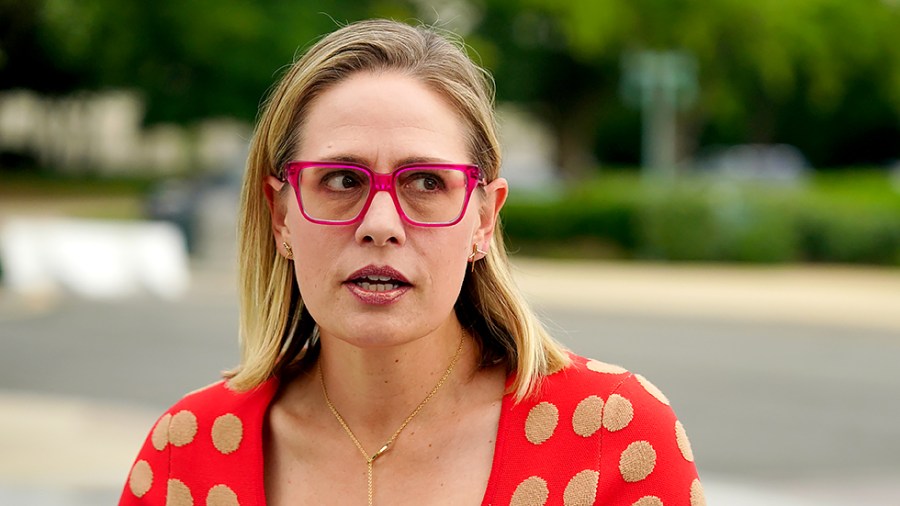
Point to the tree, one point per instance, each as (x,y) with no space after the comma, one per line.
(760,62)
(190,59)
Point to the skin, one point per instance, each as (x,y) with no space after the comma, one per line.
(380,361)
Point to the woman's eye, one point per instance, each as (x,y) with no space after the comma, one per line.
(341,180)
(426,182)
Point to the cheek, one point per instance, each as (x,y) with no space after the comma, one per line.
(314,251)
(450,259)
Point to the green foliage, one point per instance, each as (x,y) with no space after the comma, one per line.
(604,212)
(191,59)
(771,42)
(37,185)
(764,66)
(677,225)
(853,218)
(851,221)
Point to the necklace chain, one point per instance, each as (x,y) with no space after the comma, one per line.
(370,459)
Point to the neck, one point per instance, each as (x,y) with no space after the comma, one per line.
(376,389)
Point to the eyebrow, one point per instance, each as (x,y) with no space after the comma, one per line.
(400,163)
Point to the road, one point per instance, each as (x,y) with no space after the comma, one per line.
(797,407)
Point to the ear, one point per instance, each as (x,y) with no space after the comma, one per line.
(272,188)
(492,201)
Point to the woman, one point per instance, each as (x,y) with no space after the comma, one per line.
(387,358)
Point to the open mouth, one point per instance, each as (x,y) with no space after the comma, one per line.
(378,280)
(373,283)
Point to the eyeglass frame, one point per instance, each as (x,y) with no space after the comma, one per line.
(383,182)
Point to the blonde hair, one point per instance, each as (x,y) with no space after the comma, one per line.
(277,334)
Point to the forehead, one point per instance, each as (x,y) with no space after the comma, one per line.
(379,118)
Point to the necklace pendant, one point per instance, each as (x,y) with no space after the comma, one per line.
(381,451)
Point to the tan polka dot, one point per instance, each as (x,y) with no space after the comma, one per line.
(637,461)
(582,489)
(587,416)
(182,428)
(227,432)
(221,495)
(648,500)
(160,435)
(618,413)
(178,494)
(603,367)
(652,390)
(683,443)
(697,497)
(141,478)
(541,422)
(531,492)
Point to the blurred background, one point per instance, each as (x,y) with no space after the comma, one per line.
(705,192)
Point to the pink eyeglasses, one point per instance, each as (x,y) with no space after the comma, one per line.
(425,195)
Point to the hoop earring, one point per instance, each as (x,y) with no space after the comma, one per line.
(287,248)
(475,253)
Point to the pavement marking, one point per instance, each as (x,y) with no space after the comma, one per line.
(858,297)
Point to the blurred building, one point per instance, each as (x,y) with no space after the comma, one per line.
(103,133)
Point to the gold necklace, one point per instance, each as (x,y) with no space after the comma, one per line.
(370,460)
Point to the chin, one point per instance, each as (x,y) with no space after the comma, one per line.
(379,332)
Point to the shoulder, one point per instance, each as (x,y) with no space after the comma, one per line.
(216,418)
(595,431)
(587,378)
(210,408)
(219,398)
(202,435)
(589,395)
(583,376)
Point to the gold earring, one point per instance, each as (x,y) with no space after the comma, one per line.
(287,248)
(475,253)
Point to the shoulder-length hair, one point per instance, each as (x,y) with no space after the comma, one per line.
(277,333)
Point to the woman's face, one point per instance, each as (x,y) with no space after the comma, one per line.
(382,121)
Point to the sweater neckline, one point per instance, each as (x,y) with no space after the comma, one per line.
(269,389)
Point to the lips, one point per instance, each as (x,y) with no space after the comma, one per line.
(377,284)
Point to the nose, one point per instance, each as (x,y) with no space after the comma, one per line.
(382,223)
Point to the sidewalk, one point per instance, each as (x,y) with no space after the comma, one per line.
(62,451)
(858,297)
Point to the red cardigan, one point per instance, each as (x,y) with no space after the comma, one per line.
(594,434)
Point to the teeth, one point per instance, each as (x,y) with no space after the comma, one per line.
(378,278)
(378,287)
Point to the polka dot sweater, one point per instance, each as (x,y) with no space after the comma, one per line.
(595,434)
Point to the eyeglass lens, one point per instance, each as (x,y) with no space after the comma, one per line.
(425,194)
